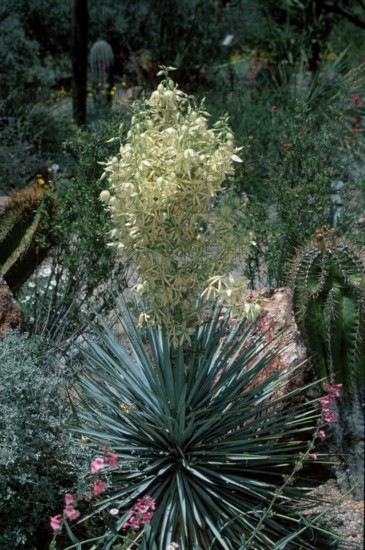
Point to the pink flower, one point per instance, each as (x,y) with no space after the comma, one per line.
(274,108)
(112,460)
(97,465)
(329,417)
(142,513)
(149,502)
(69,499)
(321,434)
(70,512)
(313,456)
(99,487)
(56,522)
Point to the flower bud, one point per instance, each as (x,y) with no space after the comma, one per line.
(104,196)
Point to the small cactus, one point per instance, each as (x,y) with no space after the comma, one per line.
(101,65)
(328,280)
(22,224)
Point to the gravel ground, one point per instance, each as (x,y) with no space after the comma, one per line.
(345,516)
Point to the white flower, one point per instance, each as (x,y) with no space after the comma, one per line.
(114,511)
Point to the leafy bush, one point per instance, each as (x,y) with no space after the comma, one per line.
(82,267)
(36,450)
(195,430)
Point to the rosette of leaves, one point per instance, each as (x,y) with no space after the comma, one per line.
(195,431)
(162,197)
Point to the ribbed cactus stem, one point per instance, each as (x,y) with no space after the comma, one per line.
(328,281)
(22,223)
(101,68)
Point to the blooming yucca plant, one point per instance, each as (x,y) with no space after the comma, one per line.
(162,197)
(195,432)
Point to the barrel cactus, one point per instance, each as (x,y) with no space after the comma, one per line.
(101,69)
(25,235)
(328,280)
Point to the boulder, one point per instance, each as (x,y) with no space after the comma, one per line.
(276,323)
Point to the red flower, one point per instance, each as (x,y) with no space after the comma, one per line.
(357,100)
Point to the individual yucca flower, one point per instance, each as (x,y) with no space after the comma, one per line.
(162,196)
(195,431)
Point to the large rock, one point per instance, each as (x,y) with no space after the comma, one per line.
(277,325)
(11,317)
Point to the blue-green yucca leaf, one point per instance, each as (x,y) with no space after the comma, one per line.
(195,431)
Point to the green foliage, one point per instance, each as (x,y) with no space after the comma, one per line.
(31,34)
(329,305)
(294,130)
(25,234)
(36,450)
(82,267)
(147,36)
(195,430)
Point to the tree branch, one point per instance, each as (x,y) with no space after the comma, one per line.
(346,12)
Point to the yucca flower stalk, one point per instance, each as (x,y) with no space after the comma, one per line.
(162,197)
(193,430)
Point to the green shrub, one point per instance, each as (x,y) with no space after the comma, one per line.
(82,268)
(36,449)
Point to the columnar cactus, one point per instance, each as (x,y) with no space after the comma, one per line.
(101,66)
(23,222)
(329,304)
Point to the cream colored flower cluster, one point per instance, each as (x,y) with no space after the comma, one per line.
(163,198)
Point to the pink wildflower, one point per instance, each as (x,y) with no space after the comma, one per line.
(142,514)
(321,434)
(313,456)
(327,400)
(69,499)
(99,487)
(97,465)
(149,502)
(329,417)
(112,460)
(70,512)
(274,108)
(56,522)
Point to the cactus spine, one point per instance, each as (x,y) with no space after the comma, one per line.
(24,221)
(329,306)
(101,65)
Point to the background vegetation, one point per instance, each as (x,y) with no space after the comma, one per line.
(290,76)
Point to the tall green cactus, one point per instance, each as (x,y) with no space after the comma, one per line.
(101,69)
(24,221)
(329,306)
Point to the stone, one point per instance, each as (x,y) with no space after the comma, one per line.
(276,324)
(11,317)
